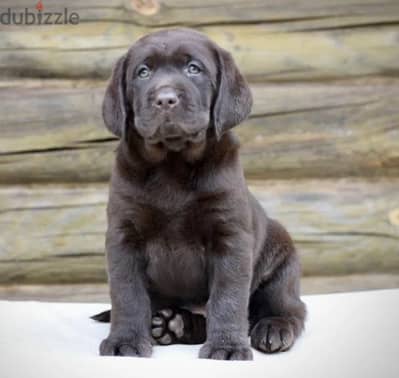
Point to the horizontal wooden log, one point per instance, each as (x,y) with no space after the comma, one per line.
(53,131)
(99,292)
(304,13)
(55,233)
(270,40)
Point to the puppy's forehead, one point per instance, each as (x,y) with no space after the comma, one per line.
(172,45)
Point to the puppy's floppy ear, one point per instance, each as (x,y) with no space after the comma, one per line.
(233,101)
(114,104)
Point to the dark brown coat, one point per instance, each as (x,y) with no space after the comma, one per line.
(183,228)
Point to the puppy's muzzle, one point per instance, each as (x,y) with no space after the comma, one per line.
(172,135)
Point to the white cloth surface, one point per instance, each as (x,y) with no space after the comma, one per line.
(347,335)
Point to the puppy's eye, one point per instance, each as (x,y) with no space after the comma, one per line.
(143,72)
(193,69)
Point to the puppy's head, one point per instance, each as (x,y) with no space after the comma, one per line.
(173,87)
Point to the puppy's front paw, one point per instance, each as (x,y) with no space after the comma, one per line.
(125,346)
(218,351)
(271,335)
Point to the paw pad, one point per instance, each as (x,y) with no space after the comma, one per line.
(167,327)
(178,326)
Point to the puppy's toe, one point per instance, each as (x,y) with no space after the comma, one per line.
(157,332)
(167,313)
(166,339)
(157,321)
(271,335)
(127,350)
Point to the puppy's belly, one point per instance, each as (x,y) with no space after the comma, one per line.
(177,270)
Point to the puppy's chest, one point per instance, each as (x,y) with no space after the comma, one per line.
(175,246)
(168,212)
(176,267)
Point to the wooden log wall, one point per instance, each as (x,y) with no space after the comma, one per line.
(321,148)
(55,233)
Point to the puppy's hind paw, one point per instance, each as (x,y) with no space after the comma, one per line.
(271,335)
(178,326)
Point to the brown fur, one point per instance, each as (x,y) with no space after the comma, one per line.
(183,228)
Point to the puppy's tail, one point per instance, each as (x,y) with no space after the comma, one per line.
(103,317)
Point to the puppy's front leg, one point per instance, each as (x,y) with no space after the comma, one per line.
(227,308)
(131,307)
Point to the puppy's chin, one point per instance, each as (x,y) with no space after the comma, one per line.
(176,144)
(183,142)
(189,151)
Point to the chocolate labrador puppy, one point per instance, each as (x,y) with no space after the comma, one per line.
(183,229)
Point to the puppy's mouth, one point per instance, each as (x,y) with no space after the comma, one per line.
(177,142)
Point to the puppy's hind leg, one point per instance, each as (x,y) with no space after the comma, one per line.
(178,326)
(276,313)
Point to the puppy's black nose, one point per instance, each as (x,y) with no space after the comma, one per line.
(166,98)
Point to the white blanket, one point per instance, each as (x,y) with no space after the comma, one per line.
(347,335)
